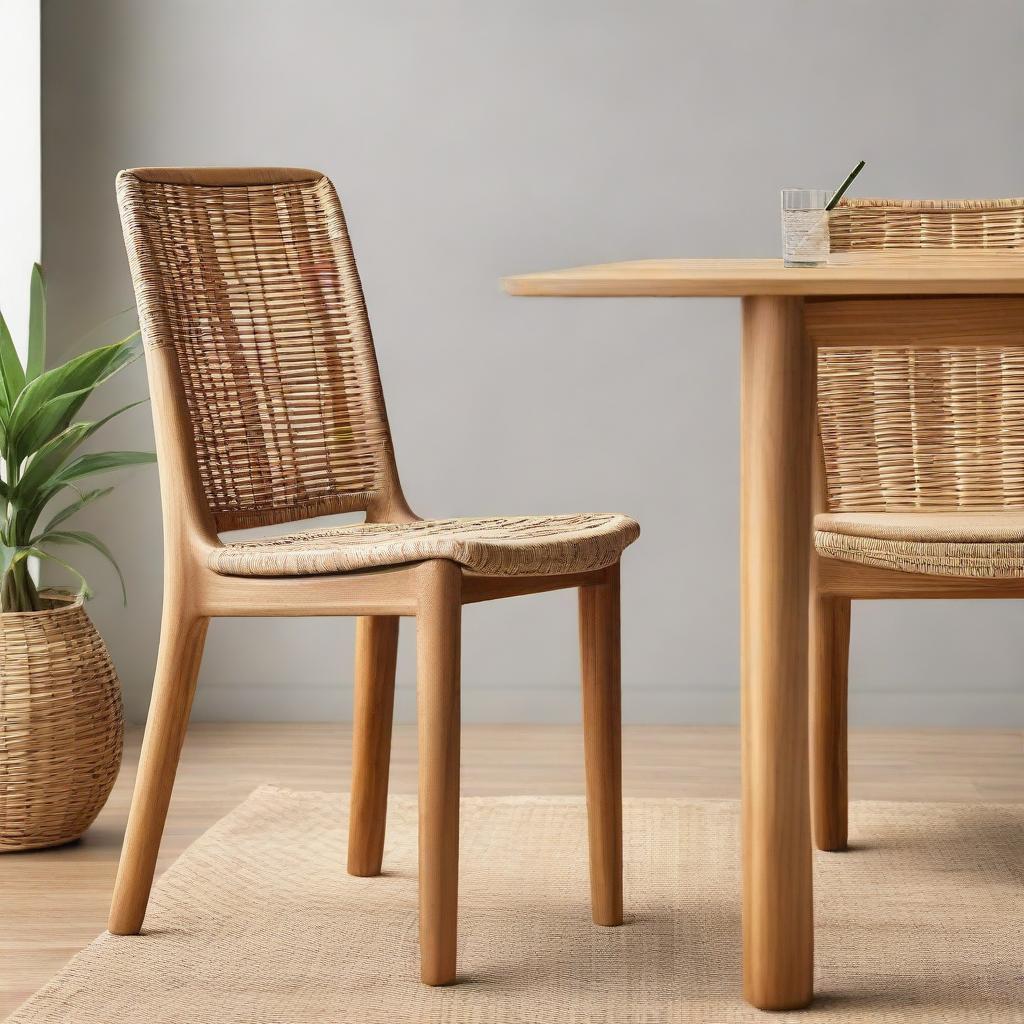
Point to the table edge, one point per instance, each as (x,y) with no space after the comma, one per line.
(612,287)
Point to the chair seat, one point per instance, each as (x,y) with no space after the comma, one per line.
(965,544)
(497,546)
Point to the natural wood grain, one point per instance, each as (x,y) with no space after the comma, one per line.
(850,579)
(182,635)
(602,729)
(862,273)
(438,639)
(372,715)
(915,323)
(776,430)
(830,652)
(828,665)
(53,902)
(379,592)
(489,588)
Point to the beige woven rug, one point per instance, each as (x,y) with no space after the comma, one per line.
(258,922)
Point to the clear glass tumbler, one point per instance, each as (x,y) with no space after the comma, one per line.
(804,227)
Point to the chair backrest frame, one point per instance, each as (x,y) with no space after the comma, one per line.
(257,338)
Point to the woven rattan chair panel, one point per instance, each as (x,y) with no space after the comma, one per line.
(254,285)
(905,429)
(915,427)
(505,546)
(927,224)
(938,544)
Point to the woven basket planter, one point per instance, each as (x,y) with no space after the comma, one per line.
(61,725)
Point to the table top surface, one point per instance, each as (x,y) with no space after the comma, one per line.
(940,272)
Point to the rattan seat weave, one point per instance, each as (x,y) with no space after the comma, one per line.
(978,544)
(496,546)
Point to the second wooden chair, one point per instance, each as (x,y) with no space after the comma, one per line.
(921,439)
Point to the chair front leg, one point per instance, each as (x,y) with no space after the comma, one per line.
(829,644)
(438,643)
(373,711)
(602,738)
(182,636)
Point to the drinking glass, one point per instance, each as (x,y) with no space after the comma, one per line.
(804,227)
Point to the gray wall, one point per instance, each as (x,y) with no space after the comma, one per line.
(474,139)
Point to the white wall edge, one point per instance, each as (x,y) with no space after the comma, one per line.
(21,168)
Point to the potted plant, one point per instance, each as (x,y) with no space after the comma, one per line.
(61,720)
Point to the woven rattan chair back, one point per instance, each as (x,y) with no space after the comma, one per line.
(919,428)
(927,224)
(248,275)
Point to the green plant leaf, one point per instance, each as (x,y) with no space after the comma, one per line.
(78,376)
(49,420)
(54,417)
(128,352)
(36,325)
(7,557)
(39,553)
(102,331)
(5,401)
(39,439)
(12,597)
(46,462)
(41,484)
(33,491)
(90,539)
(69,510)
(86,465)
(12,375)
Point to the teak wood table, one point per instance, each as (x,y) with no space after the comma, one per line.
(778,413)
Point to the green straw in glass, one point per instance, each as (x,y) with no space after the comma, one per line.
(841,191)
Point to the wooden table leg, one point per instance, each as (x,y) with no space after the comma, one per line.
(777,402)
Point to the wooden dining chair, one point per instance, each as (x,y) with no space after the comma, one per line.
(920,490)
(268,409)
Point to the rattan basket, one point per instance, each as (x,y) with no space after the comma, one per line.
(61,725)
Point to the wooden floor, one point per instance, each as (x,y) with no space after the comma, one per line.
(54,902)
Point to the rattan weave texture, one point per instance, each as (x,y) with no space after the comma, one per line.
(917,429)
(908,429)
(247,276)
(927,224)
(61,726)
(496,546)
(251,278)
(953,544)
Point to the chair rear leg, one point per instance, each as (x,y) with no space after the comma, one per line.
(182,637)
(602,738)
(374,704)
(830,652)
(438,643)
